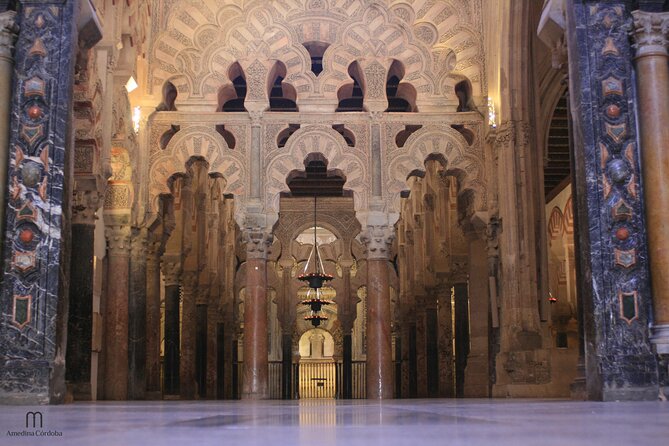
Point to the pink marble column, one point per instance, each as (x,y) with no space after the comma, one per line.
(652,66)
(255,374)
(116,313)
(379,349)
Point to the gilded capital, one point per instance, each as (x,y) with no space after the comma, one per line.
(650,33)
(378,240)
(258,243)
(9,30)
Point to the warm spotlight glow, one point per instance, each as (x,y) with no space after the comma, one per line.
(492,115)
(136,117)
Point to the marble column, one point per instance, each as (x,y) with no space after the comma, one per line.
(8,34)
(476,378)
(377,240)
(651,35)
(153,318)
(116,313)
(80,318)
(188,334)
(137,316)
(617,302)
(255,379)
(33,325)
(171,267)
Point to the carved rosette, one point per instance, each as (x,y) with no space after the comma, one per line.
(378,240)
(118,240)
(8,32)
(650,33)
(84,205)
(258,243)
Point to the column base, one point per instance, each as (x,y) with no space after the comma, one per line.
(25,383)
(631,394)
(660,338)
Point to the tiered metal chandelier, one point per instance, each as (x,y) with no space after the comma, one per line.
(315,280)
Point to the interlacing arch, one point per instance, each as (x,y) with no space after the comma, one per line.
(198,141)
(449,147)
(201,40)
(323,139)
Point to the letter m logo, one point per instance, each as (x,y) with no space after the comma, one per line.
(34,418)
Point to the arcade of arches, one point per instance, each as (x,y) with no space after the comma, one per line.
(484,179)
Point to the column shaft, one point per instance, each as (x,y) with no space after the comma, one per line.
(8,31)
(256,366)
(171,367)
(153,323)
(188,336)
(116,314)
(379,349)
(652,67)
(80,318)
(137,318)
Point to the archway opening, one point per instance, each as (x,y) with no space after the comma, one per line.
(351,95)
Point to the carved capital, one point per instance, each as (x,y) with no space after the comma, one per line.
(256,118)
(258,243)
(512,133)
(118,240)
(650,33)
(153,251)
(171,267)
(84,205)
(139,244)
(189,283)
(377,240)
(9,30)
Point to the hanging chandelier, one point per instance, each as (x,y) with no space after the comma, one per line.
(315,280)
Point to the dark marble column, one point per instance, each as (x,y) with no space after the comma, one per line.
(651,34)
(620,364)
(8,34)
(255,380)
(153,319)
(445,371)
(286,367)
(171,268)
(116,313)
(379,349)
(137,316)
(461,336)
(188,334)
(36,246)
(80,320)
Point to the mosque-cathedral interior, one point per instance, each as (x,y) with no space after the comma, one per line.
(479,187)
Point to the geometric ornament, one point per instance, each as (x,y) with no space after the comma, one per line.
(616,132)
(622,211)
(21,310)
(629,306)
(612,86)
(34,87)
(24,260)
(32,132)
(626,259)
(27,212)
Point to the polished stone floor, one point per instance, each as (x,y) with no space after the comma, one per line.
(329,422)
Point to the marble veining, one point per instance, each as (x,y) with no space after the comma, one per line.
(353,422)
